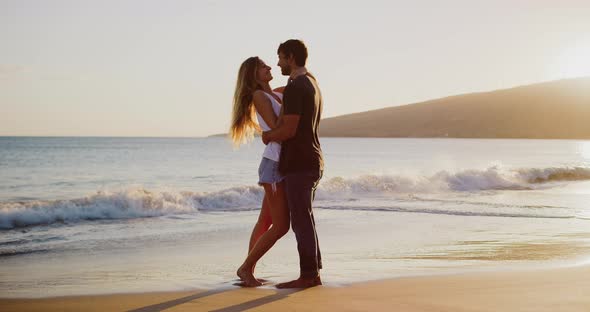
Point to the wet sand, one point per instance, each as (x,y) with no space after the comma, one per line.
(563,289)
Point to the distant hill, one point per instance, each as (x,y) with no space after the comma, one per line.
(550,110)
(217,135)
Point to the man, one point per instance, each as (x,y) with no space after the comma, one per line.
(301,159)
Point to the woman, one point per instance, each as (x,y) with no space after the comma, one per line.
(253,96)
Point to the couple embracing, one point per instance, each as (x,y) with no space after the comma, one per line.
(292,162)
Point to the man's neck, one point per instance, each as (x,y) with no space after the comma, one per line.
(296,72)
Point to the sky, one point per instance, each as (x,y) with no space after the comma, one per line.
(169,68)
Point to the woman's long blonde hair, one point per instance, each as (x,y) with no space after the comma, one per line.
(243,125)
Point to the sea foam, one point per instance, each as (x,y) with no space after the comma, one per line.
(140,203)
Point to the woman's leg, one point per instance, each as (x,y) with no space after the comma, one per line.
(261,226)
(280,226)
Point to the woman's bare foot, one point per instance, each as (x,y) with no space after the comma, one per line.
(247,277)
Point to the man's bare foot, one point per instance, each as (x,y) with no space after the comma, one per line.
(247,277)
(301,283)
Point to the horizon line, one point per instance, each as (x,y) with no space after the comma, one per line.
(375,109)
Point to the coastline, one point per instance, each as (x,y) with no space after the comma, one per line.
(553,289)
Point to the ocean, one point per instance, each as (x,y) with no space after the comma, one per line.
(90,215)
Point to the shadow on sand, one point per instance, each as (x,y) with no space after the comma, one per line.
(283,293)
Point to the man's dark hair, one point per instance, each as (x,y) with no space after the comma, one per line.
(295,48)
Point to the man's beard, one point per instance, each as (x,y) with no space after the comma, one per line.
(286,71)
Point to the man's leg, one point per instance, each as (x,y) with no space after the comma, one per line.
(317,242)
(313,220)
(300,188)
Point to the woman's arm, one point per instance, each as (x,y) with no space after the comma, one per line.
(263,106)
(279,89)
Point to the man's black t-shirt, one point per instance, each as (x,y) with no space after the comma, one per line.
(302,152)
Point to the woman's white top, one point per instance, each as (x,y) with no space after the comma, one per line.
(273,149)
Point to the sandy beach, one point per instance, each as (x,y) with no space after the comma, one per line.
(563,289)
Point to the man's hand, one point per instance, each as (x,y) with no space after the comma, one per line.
(285,131)
(265,139)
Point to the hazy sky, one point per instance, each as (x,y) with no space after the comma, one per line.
(168,68)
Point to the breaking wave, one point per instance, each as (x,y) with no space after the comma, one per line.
(140,203)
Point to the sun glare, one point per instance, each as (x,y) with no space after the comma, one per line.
(575,60)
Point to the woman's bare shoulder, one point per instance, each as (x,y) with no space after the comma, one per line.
(258,93)
(260,97)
